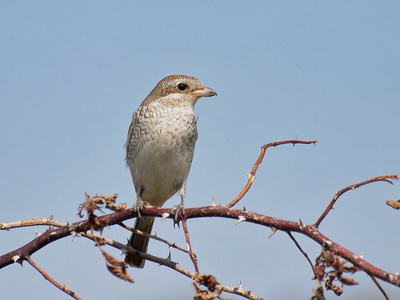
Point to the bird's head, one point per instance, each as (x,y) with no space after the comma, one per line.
(179,90)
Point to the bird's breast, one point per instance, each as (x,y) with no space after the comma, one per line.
(160,152)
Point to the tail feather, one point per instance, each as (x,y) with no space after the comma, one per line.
(139,242)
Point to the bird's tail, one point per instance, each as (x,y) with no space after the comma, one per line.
(139,242)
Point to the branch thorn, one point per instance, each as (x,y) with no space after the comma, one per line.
(212,201)
(164,216)
(301,224)
(251,177)
(169,256)
(273,230)
(16,258)
(241,218)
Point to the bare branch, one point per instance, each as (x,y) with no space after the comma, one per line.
(154,237)
(168,263)
(51,280)
(192,255)
(379,287)
(218,211)
(252,175)
(302,252)
(333,256)
(384,178)
(32,222)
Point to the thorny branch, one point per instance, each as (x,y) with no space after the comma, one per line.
(154,237)
(379,287)
(252,174)
(192,255)
(311,231)
(51,280)
(32,222)
(352,187)
(83,228)
(197,278)
(302,251)
(330,265)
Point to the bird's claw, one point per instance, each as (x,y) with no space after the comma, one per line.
(138,206)
(179,211)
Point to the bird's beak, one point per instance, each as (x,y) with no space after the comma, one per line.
(205,92)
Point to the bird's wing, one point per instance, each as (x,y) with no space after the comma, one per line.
(134,142)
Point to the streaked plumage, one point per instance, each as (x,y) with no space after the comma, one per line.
(160,147)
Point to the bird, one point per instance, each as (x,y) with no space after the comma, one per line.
(159,149)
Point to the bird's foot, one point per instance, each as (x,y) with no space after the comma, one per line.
(179,211)
(138,206)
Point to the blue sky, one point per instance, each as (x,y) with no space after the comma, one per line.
(72,73)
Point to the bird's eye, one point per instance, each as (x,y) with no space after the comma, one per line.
(182,86)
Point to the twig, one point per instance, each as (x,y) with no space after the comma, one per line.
(302,252)
(311,231)
(379,287)
(51,280)
(385,178)
(32,222)
(154,237)
(257,164)
(189,245)
(167,263)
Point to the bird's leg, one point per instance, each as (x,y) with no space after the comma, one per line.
(180,207)
(138,204)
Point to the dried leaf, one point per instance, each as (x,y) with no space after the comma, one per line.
(109,200)
(90,205)
(112,260)
(121,207)
(208,281)
(347,281)
(337,290)
(120,273)
(393,204)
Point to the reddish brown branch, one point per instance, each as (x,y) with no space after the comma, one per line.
(308,230)
(199,212)
(302,252)
(51,280)
(189,245)
(53,234)
(385,178)
(98,223)
(252,175)
(313,233)
(379,287)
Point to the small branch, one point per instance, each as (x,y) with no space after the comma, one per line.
(379,287)
(98,223)
(257,164)
(126,248)
(311,231)
(385,178)
(167,263)
(32,222)
(51,280)
(189,245)
(238,291)
(358,261)
(302,252)
(154,237)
